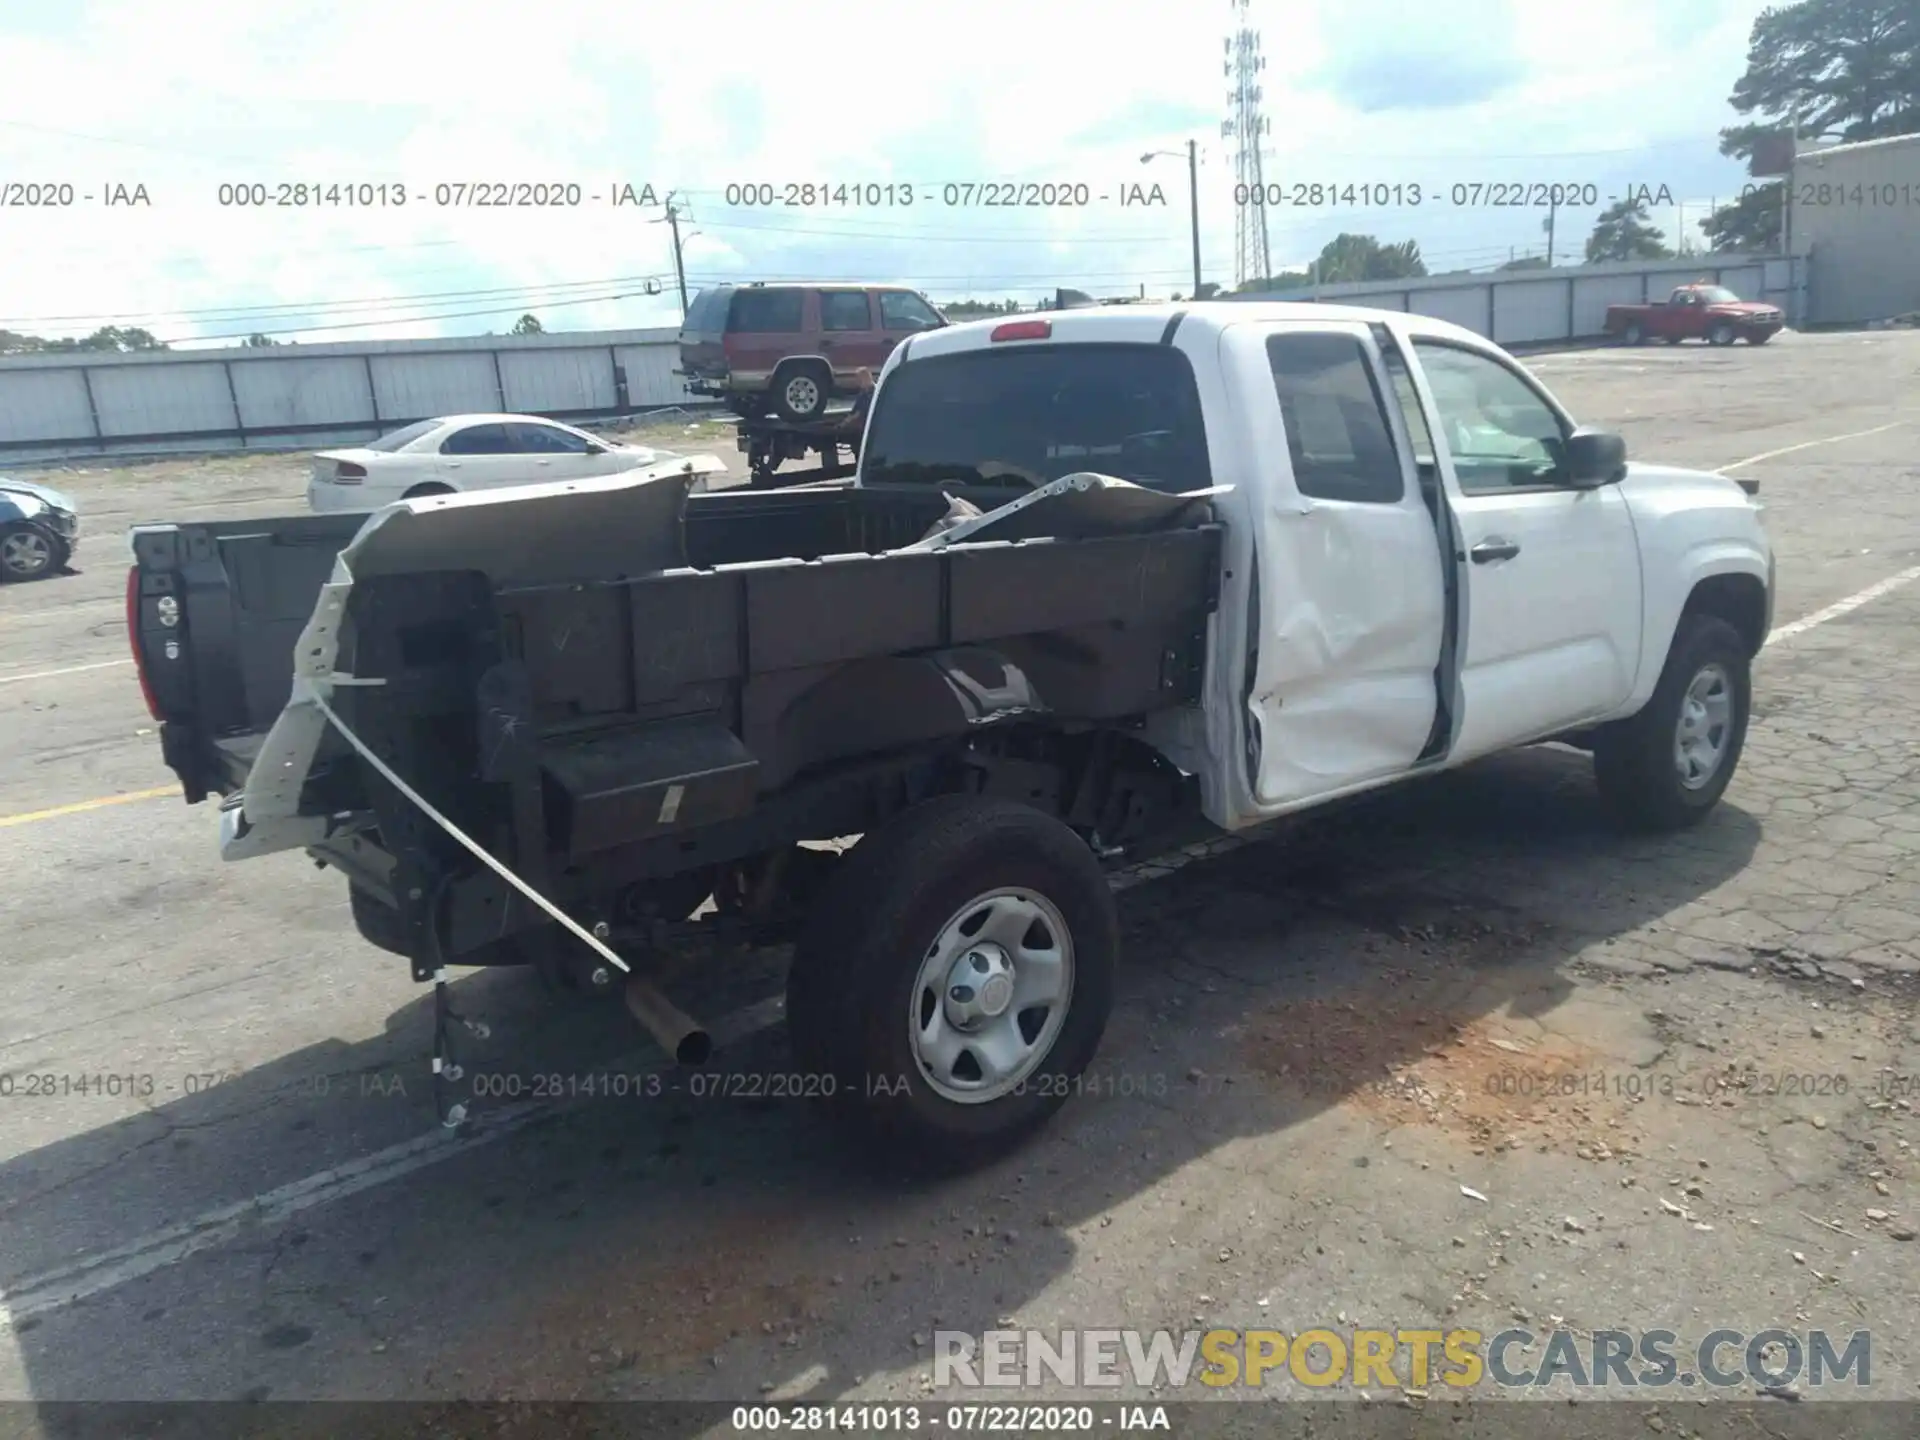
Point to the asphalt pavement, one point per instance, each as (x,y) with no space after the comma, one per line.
(227,1182)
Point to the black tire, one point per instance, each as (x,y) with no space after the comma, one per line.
(801,392)
(1634,760)
(851,990)
(432,487)
(1759,337)
(28,552)
(1722,334)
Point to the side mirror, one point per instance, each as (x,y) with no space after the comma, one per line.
(1595,458)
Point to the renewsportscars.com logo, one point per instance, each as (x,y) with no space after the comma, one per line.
(1397,1359)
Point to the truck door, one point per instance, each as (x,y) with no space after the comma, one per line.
(1350,602)
(1552,619)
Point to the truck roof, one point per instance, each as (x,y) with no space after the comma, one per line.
(1119,324)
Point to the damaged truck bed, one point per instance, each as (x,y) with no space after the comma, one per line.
(637,700)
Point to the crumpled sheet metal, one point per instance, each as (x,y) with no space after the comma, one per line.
(571,530)
(1080,506)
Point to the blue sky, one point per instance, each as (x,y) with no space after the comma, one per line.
(193,94)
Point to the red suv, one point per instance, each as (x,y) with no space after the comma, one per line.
(791,348)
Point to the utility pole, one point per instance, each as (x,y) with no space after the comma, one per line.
(679,267)
(1193,201)
(1552,208)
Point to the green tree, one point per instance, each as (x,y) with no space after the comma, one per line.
(256,340)
(1837,70)
(1623,232)
(1833,70)
(975,309)
(1749,226)
(1361,257)
(108,338)
(527,325)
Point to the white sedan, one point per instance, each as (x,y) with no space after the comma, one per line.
(464,452)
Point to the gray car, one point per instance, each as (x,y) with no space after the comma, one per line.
(39,530)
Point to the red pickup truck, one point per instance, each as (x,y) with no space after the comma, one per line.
(1696,312)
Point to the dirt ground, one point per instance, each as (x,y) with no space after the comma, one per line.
(1455,1055)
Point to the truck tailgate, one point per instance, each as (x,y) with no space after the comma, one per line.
(213,610)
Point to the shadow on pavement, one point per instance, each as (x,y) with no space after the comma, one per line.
(667,1247)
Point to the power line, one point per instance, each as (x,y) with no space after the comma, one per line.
(289,309)
(410,319)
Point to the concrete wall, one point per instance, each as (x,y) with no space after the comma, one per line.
(1855,214)
(295,397)
(1567,303)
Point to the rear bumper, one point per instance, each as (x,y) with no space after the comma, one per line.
(326,498)
(734,382)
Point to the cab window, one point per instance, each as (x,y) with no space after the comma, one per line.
(1502,434)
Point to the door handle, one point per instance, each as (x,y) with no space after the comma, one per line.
(1495,549)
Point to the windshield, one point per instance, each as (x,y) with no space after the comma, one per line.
(404,436)
(1026,416)
(1716,295)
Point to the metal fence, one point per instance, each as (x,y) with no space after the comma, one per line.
(292,397)
(297,397)
(1565,304)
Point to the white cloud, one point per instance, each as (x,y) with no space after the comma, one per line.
(697,96)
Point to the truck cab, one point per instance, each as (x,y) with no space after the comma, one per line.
(1427,558)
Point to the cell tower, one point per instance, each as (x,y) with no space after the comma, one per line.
(1248,129)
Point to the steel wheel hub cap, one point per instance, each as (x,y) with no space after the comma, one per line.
(1706,718)
(991,996)
(979,987)
(801,394)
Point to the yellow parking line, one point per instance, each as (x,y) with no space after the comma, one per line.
(81,806)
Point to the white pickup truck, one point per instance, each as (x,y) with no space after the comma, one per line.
(1105,578)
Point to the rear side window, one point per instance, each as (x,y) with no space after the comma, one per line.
(1337,429)
(406,435)
(478,440)
(765,312)
(1042,411)
(845,310)
(707,313)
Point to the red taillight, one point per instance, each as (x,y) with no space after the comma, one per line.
(133,639)
(1023,330)
(345,472)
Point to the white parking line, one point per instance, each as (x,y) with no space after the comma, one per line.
(69,670)
(1809,444)
(109,1269)
(1842,607)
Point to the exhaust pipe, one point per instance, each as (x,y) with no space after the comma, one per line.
(675,1032)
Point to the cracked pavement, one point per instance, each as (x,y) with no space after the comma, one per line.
(1680,1071)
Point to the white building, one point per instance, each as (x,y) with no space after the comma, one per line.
(1854,212)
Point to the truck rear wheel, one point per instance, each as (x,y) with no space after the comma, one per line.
(1666,767)
(1633,334)
(954,981)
